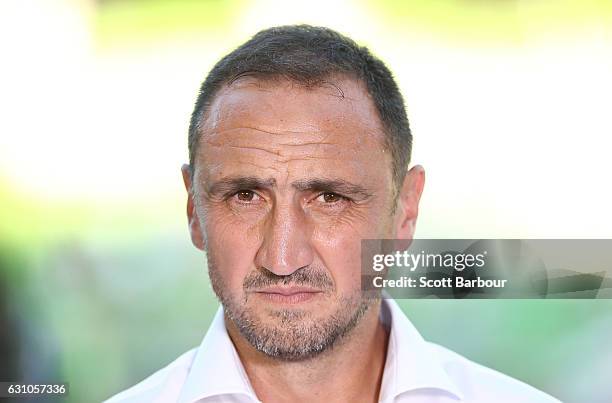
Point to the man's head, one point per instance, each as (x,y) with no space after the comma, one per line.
(299,148)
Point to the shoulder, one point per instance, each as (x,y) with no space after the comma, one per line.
(481,384)
(163,385)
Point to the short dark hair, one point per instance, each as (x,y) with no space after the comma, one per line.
(309,55)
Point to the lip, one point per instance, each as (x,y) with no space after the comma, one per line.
(288,295)
(288,291)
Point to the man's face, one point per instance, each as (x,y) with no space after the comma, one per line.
(287,182)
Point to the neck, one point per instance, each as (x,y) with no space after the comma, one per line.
(349,371)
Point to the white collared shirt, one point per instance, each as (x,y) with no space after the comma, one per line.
(415,371)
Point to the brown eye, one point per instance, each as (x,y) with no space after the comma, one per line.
(331,197)
(245,195)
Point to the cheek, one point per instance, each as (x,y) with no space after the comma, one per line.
(339,247)
(232,246)
(343,263)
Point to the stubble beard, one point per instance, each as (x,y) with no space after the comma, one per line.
(290,334)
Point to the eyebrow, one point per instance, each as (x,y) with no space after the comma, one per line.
(235,183)
(333,186)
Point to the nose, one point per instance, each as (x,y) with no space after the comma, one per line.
(286,246)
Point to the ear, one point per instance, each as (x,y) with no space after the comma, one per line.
(407,208)
(192,216)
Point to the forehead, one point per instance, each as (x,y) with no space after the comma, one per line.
(266,123)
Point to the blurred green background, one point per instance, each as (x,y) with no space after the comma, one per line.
(99,284)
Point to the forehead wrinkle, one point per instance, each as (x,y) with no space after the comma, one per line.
(252,154)
(231,143)
(283,151)
(280,155)
(220,167)
(263,118)
(306,158)
(216,133)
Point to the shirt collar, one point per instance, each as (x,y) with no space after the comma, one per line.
(216,368)
(411,364)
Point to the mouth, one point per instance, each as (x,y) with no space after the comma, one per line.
(288,295)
